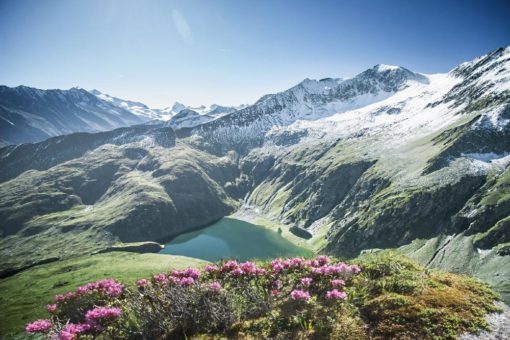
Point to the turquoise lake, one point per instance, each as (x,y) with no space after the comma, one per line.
(231,238)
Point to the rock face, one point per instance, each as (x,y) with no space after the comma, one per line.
(388,159)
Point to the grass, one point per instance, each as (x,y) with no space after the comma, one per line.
(24,295)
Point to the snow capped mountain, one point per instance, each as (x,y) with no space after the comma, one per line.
(188,118)
(136,108)
(30,115)
(181,116)
(404,107)
(310,100)
(213,110)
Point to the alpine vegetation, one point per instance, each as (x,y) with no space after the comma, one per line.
(384,296)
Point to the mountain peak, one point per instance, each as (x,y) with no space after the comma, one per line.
(177,107)
(385,67)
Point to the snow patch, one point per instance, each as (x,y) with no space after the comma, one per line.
(384,67)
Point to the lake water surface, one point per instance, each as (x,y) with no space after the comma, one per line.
(231,238)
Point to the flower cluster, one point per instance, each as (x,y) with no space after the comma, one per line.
(108,287)
(142,282)
(216,286)
(297,294)
(336,295)
(186,277)
(279,281)
(337,282)
(96,314)
(72,330)
(38,326)
(52,308)
(306,281)
(338,268)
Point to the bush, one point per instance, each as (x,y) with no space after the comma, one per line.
(293,298)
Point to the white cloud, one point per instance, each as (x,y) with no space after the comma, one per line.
(182,27)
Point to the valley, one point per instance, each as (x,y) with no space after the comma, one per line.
(388,159)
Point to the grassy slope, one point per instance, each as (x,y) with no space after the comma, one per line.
(24,295)
(107,196)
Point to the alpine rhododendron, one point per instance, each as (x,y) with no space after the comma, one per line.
(300,295)
(208,300)
(102,313)
(38,326)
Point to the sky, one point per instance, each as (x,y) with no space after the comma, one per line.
(232,52)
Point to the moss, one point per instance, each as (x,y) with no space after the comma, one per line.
(406,301)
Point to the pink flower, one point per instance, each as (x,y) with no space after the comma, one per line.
(342,268)
(275,292)
(105,286)
(229,266)
(187,281)
(65,297)
(337,283)
(237,272)
(323,260)
(328,270)
(211,269)
(249,267)
(102,313)
(335,295)
(161,277)
(216,286)
(306,281)
(70,330)
(38,326)
(261,272)
(355,269)
(300,295)
(297,262)
(276,265)
(192,272)
(52,308)
(142,282)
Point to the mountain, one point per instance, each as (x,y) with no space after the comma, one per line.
(181,116)
(136,108)
(32,115)
(390,158)
(309,100)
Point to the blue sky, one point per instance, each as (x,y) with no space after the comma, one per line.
(231,51)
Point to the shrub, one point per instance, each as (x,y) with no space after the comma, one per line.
(385,296)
